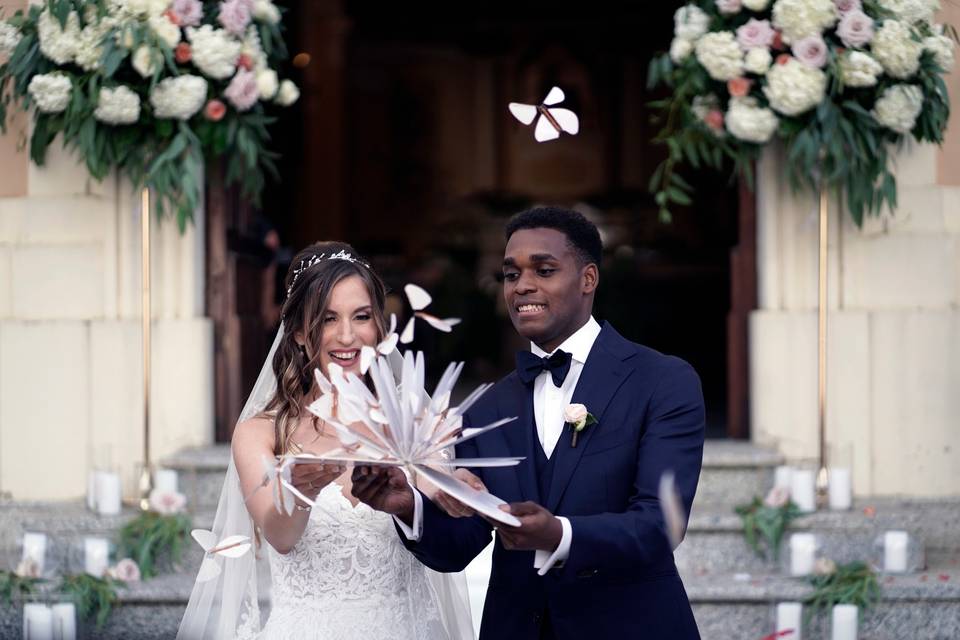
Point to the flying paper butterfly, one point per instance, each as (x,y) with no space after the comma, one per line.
(367,354)
(419,300)
(229,547)
(552,121)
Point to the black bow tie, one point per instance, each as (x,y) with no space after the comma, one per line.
(530,365)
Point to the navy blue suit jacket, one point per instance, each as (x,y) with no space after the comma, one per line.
(620,579)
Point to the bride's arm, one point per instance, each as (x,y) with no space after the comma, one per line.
(252,440)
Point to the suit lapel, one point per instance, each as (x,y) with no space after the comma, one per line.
(521,436)
(602,375)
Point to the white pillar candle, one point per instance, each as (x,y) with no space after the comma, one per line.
(803,551)
(844,623)
(895,546)
(840,492)
(96,556)
(803,490)
(165,480)
(109,493)
(789,616)
(64,621)
(92,491)
(37,622)
(35,549)
(783,477)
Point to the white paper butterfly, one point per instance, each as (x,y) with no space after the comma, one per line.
(368,354)
(552,119)
(420,300)
(229,547)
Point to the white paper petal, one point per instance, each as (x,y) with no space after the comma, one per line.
(393,324)
(525,113)
(480,501)
(418,297)
(407,336)
(554,97)
(390,343)
(545,131)
(446,325)
(204,538)
(367,354)
(478,463)
(232,546)
(567,120)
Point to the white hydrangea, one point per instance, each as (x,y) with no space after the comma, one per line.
(858,69)
(680,49)
(720,55)
(9,38)
(287,94)
(139,7)
(798,19)
(119,105)
(758,61)
(756,5)
(145,61)
(690,22)
(942,49)
(179,97)
(267,84)
(57,43)
(749,122)
(894,47)
(214,51)
(50,91)
(168,32)
(794,88)
(90,44)
(912,11)
(898,107)
(252,48)
(266,11)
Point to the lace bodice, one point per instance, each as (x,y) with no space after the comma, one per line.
(349,576)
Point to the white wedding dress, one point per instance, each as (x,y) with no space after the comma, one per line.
(349,577)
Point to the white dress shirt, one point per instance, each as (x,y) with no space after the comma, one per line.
(548,404)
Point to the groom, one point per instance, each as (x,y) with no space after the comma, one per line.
(591,558)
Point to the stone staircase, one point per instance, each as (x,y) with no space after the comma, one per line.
(733,592)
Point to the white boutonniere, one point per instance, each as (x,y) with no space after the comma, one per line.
(577,416)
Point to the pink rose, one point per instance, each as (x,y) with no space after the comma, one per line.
(739,87)
(182,53)
(778,497)
(574,413)
(214,111)
(811,51)
(855,28)
(167,502)
(714,119)
(188,12)
(756,33)
(234,16)
(126,570)
(244,62)
(729,7)
(843,6)
(242,92)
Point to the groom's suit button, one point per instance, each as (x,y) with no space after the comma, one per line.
(587,573)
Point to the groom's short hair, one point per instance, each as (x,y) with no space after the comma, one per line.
(582,235)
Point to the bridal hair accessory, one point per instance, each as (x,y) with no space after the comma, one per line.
(316,259)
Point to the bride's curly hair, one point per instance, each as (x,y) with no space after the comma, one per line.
(310,281)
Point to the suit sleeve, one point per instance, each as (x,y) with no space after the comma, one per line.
(448,544)
(672,439)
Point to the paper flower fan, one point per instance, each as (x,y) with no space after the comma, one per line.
(420,300)
(552,120)
(403,426)
(229,547)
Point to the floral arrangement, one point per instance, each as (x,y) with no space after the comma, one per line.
(853,583)
(94,596)
(156,536)
(20,583)
(766,520)
(838,82)
(150,87)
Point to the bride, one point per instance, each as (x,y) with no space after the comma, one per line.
(337,569)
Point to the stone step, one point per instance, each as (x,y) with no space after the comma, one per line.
(201,472)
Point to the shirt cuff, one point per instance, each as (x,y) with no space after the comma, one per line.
(414,532)
(546,560)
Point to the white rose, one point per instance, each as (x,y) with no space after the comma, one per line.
(942,49)
(894,47)
(287,94)
(690,22)
(898,107)
(720,55)
(50,91)
(912,11)
(119,105)
(797,19)
(267,84)
(756,5)
(9,38)
(574,413)
(168,32)
(757,60)
(680,49)
(179,97)
(858,69)
(794,88)
(266,11)
(58,43)
(749,122)
(214,51)
(146,61)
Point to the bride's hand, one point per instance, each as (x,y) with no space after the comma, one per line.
(310,479)
(453,506)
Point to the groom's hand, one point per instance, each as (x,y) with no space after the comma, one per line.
(539,529)
(384,489)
